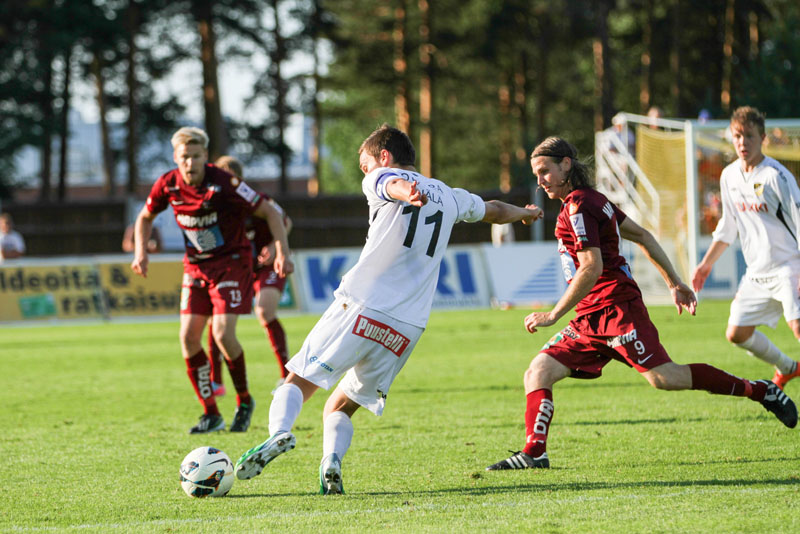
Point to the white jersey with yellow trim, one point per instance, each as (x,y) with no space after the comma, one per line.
(398,269)
(762,207)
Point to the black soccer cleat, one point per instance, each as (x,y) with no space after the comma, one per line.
(242,416)
(779,403)
(208,423)
(520,460)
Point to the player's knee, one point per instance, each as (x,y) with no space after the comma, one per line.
(664,381)
(264,316)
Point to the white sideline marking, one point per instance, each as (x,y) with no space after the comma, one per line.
(423,507)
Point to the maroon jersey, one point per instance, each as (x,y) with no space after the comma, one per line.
(211,215)
(588,219)
(259,234)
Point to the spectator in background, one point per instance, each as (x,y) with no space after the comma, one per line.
(153,244)
(268,286)
(11,243)
(653,114)
(502,234)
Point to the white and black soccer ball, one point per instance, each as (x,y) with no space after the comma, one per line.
(206,472)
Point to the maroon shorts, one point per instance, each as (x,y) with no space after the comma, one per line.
(622,332)
(267,277)
(218,286)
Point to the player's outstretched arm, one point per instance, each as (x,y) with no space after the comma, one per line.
(142,231)
(404,191)
(282,264)
(703,270)
(499,212)
(682,296)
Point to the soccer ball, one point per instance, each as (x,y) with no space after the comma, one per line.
(206,472)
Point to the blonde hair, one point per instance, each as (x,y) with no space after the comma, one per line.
(230,164)
(190,135)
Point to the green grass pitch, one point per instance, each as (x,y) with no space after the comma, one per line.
(96,418)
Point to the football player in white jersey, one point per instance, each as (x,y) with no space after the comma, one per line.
(382,305)
(760,204)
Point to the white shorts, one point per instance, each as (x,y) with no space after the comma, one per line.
(761,299)
(367,345)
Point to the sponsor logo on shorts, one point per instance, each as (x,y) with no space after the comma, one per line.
(315,359)
(570,333)
(617,341)
(382,334)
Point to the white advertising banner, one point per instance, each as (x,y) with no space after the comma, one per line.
(462,278)
(525,273)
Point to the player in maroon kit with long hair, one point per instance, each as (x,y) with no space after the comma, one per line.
(267,285)
(611,320)
(210,206)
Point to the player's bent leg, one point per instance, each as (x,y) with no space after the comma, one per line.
(708,378)
(337,435)
(543,372)
(739,334)
(191,333)
(225,335)
(669,376)
(783,376)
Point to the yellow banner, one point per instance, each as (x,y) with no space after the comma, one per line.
(93,289)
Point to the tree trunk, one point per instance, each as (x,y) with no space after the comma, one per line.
(541,77)
(675,57)
(133,112)
(602,69)
(46,106)
(314,186)
(646,80)
(280,99)
(521,82)
(752,26)
(63,130)
(400,64)
(425,92)
(215,127)
(102,107)
(504,102)
(727,56)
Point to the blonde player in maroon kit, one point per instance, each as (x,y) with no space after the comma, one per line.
(210,207)
(611,320)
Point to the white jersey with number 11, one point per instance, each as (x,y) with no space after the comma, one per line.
(398,269)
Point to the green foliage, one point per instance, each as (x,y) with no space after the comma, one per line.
(96,420)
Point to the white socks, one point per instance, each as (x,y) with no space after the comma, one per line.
(286,404)
(761,347)
(337,435)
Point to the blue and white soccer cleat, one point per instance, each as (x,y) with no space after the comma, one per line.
(256,459)
(330,475)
